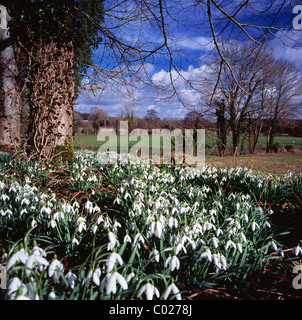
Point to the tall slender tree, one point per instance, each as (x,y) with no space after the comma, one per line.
(10,95)
(57,45)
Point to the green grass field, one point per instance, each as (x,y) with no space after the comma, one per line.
(268,163)
(91,142)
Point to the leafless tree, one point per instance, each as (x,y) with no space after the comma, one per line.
(283,97)
(137,33)
(241,88)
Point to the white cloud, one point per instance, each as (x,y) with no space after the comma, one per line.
(288,45)
(160,97)
(197,43)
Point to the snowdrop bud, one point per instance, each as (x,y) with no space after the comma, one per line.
(52,295)
(20,295)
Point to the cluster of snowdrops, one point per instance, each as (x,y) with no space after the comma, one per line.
(131,229)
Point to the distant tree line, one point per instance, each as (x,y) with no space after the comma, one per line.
(90,123)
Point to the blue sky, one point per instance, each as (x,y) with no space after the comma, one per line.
(190,38)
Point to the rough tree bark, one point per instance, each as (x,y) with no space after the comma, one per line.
(51,102)
(10,102)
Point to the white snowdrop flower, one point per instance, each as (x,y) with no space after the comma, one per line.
(213,212)
(179,247)
(89,206)
(117,200)
(246,218)
(96,209)
(58,215)
(35,259)
(52,223)
(254,225)
(107,223)
(22,212)
(243,237)
(4,197)
(33,223)
(18,256)
(280,251)
(208,226)
(156,228)
(149,291)
(267,224)
(185,238)
(32,289)
(113,242)
(297,250)
(273,245)
(55,269)
(193,244)
(117,224)
(25,201)
(20,295)
(113,279)
(216,261)
(154,253)
(172,222)
(172,287)
(96,276)
(137,208)
(223,261)
(206,254)
(8,213)
(52,295)
(219,261)
(127,195)
(218,232)
(172,262)
(12,287)
(71,278)
(174,239)
(130,276)
(112,259)
(95,229)
(214,241)
(47,210)
(127,238)
(75,205)
(100,219)
(229,243)
(75,241)
(81,224)
(137,239)
(239,247)
(174,210)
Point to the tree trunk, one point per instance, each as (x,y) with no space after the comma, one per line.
(10,103)
(52,97)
